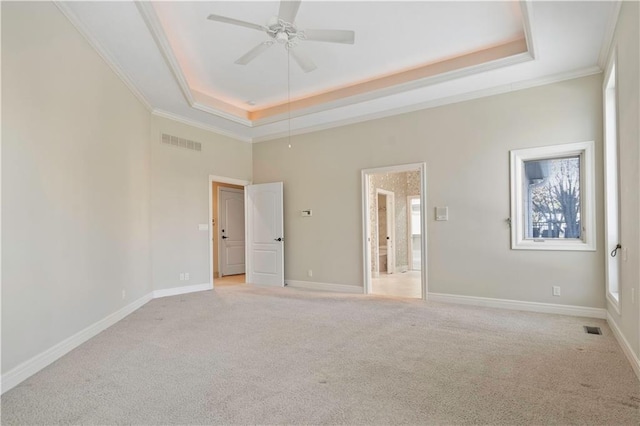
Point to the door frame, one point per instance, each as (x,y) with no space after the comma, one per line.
(232,181)
(228,189)
(366,220)
(389,199)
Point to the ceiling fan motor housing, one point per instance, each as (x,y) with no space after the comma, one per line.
(283,32)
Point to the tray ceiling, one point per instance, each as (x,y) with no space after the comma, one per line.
(406,55)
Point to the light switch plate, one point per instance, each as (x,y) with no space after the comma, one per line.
(442,213)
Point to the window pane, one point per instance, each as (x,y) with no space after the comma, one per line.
(552,200)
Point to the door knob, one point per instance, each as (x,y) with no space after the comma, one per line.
(224,237)
(278,239)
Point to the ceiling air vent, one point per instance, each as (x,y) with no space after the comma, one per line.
(180,142)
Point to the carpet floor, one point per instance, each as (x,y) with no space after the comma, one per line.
(250,355)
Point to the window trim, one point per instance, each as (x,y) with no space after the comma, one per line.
(587,242)
(611,137)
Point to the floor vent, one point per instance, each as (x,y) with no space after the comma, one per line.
(592,330)
(180,142)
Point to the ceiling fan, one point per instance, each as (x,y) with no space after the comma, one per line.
(282,30)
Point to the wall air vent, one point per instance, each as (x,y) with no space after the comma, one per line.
(180,142)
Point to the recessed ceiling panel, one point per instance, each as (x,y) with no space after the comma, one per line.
(390,37)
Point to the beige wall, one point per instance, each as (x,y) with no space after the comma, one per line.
(93,203)
(180,198)
(75,184)
(466,148)
(627,45)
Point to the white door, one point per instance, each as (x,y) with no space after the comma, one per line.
(265,234)
(231,205)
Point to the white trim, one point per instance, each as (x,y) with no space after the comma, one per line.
(232,181)
(611,169)
(366,222)
(223,114)
(181,290)
(199,125)
(526,8)
(220,251)
(609,33)
(519,305)
(587,192)
(334,288)
(150,18)
(624,344)
(30,367)
(102,52)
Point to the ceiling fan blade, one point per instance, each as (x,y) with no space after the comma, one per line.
(302,59)
(253,53)
(235,22)
(332,36)
(289,10)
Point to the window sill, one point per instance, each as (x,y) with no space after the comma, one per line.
(614,300)
(553,245)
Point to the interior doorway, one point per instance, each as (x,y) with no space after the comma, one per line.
(231,241)
(387,194)
(226,194)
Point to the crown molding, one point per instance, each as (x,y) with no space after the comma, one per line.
(199,125)
(102,52)
(526,6)
(150,18)
(609,33)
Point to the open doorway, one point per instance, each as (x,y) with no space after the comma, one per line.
(227,230)
(393,218)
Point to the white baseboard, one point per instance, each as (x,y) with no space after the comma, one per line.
(40,361)
(28,368)
(624,344)
(181,290)
(547,308)
(336,288)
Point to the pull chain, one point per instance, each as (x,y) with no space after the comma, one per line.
(289,94)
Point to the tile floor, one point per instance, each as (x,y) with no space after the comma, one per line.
(404,284)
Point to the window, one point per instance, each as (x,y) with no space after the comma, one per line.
(552,196)
(611,184)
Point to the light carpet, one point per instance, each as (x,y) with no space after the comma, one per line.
(250,355)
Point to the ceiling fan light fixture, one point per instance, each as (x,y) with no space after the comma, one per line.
(282,37)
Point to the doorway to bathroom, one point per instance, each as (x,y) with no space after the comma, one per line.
(394,246)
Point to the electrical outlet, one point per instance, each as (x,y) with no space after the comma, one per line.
(556,290)
(181,276)
(124,294)
(186,276)
(310,273)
